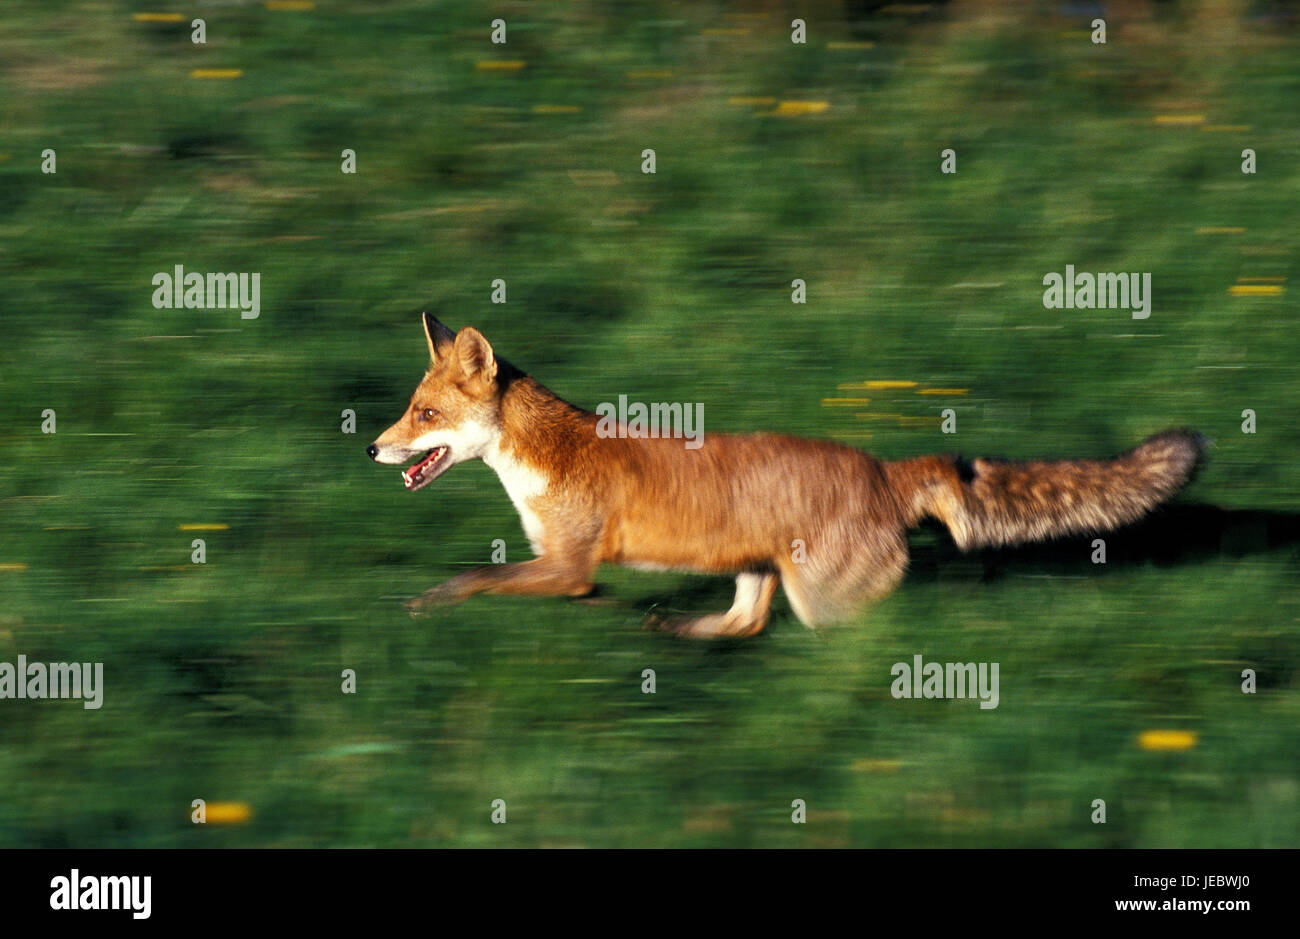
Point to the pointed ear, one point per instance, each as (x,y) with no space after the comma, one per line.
(475,354)
(440,338)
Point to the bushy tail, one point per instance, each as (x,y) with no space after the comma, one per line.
(996,502)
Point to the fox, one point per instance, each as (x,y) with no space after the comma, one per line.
(825,521)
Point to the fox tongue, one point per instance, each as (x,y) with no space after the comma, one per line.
(415,475)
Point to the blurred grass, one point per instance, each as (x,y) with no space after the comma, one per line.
(223,679)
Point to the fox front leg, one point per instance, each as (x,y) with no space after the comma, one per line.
(540,577)
(448,593)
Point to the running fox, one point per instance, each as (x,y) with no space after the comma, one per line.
(826,521)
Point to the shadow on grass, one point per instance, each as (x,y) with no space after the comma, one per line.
(1174,535)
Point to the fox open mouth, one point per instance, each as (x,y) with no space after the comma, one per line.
(424,472)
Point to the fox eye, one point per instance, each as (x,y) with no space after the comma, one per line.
(429,414)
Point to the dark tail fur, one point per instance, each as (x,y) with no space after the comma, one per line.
(995,502)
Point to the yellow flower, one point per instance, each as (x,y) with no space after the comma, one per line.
(1167,739)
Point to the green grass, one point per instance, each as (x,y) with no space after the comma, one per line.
(223,679)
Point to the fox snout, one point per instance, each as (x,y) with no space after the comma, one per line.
(389,453)
(432,462)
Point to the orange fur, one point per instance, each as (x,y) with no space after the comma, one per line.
(829,521)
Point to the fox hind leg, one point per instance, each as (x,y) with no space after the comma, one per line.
(831,586)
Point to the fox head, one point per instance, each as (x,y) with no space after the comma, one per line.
(455,412)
